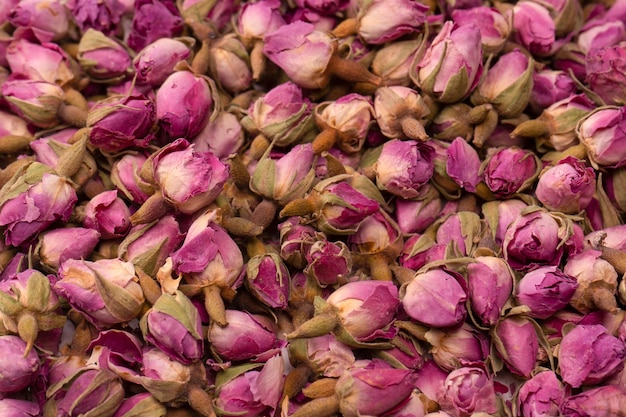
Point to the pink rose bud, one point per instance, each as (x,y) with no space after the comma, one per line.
(597,282)
(535,239)
(461,230)
(373,390)
(103,16)
(588,354)
(383,21)
(184,103)
(507,335)
(609,400)
(328,263)
(541,395)
(249,337)
(466,391)
(567,187)
(105,291)
(403,167)
(545,291)
(43,198)
(257,19)
(230,64)
(393,62)
(11,124)
(295,241)
(251,392)
(283,115)
(494,28)
(22,369)
(125,175)
(189,180)
(57,245)
(143,32)
(561,119)
(268,280)
(141,404)
(45,62)
(173,325)
(451,66)
(500,214)
(154,63)
(406,352)
(463,164)
(601,133)
(223,136)
(37,102)
(414,216)
(323,7)
(452,349)
(604,75)
(108,214)
(420,250)
(435,298)
(101,57)
(19,408)
(120,122)
(490,284)
(550,86)
(600,33)
(325,354)
(400,112)
(510,170)
(533,28)
(49,20)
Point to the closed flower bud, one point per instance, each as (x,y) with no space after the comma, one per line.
(154,63)
(230,64)
(603,74)
(268,279)
(452,349)
(19,408)
(506,336)
(393,62)
(490,284)
(57,245)
(561,119)
(541,395)
(381,21)
(108,214)
(48,21)
(400,113)
(18,369)
(534,28)
(223,136)
(595,402)
(173,325)
(47,62)
(328,262)
(324,354)
(463,164)
(36,101)
(597,282)
(143,31)
(466,391)
(545,291)
(451,66)
(103,16)
(141,404)
(588,354)
(550,86)
(125,175)
(601,133)
(257,19)
(414,216)
(567,187)
(461,229)
(494,27)
(510,170)
(101,57)
(295,241)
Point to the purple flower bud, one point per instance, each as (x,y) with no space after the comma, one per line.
(382,21)
(257,19)
(609,400)
(18,370)
(125,174)
(567,187)
(420,250)
(435,298)
(588,354)
(328,262)
(46,62)
(602,134)
(173,325)
(452,349)
(550,86)
(33,202)
(373,390)
(403,167)
(267,278)
(520,358)
(510,170)
(119,122)
(533,28)
(105,291)
(48,20)
(101,57)
(415,216)
(604,72)
(103,16)
(494,28)
(154,63)
(500,214)
(57,245)
(545,291)
(189,180)
(141,404)
(541,395)
(10,407)
(461,229)
(184,104)
(250,337)
(350,117)
(466,391)
(143,30)
(35,101)
(253,392)
(463,164)
(451,66)
(223,136)
(108,214)
(490,284)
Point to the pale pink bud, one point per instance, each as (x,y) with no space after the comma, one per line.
(567,187)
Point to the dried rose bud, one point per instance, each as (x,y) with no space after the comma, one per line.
(588,354)
(601,133)
(550,86)
(154,63)
(324,354)
(510,170)
(38,102)
(108,214)
(597,282)
(125,175)
(249,337)
(141,404)
(143,31)
(466,391)
(22,369)
(223,136)
(500,214)
(255,20)
(57,245)
(251,392)
(328,262)
(420,250)
(173,325)
(435,298)
(567,187)
(452,349)
(48,21)
(393,62)
(373,390)
(47,62)
(32,201)
(230,64)
(268,279)
(460,229)
(490,284)
(545,291)
(451,66)
(400,112)
(506,336)
(105,291)
(463,164)
(494,27)
(414,216)
(541,395)
(595,402)
(19,408)
(533,28)
(120,122)
(188,180)
(295,241)
(599,33)
(184,104)
(101,57)
(103,16)
(604,75)
(403,167)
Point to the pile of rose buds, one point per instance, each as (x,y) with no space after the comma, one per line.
(312,208)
